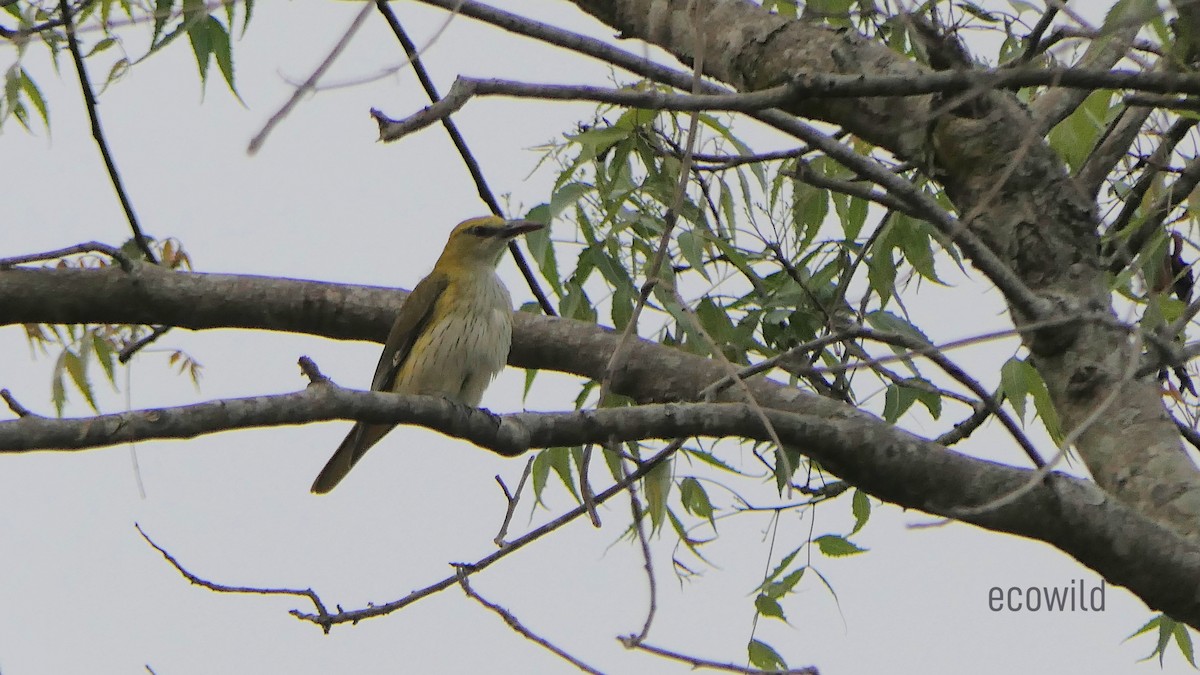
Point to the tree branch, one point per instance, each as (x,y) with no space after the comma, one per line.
(1104,534)
(460,144)
(89,100)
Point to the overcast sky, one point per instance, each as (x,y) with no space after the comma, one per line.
(82,593)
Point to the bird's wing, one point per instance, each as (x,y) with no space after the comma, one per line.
(410,322)
(414,316)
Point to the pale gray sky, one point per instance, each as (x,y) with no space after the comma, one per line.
(82,593)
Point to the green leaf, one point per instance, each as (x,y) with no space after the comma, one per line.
(656,487)
(881,273)
(888,322)
(763,656)
(1074,137)
(778,589)
(1149,626)
(58,392)
(691,245)
(593,142)
(1014,383)
(541,248)
(860,506)
(1018,380)
(567,196)
(715,321)
(105,355)
(78,372)
(710,459)
(914,238)
(1183,640)
(979,12)
(202,47)
(34,96)
(560,461)
(1045,407)
(530,376)
(769,607)
(100,46)
(779,569)
(900,396)
(221,48)
(162,13)
(695,499)
(837,547)
(119,68)
(788,460)
(896,401)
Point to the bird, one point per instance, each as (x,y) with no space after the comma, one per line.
(451,336)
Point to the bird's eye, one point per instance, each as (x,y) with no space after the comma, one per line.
(479,231)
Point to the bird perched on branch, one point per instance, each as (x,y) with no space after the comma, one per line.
(451,336)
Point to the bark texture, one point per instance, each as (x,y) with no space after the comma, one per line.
(1117,541)
(1009,187)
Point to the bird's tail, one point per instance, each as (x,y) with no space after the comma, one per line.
(357,442)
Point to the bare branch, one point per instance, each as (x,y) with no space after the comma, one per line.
(481,186)
(88,247)
(513,498)
(15,405)
(326,621)
(311,83)
(516,625)
(222,588)
(887,462)
(89,100)
(699,663)
(1112,148)
(805,174)
(138,345)
(801,86)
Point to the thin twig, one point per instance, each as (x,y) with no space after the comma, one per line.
(698,663)
(89,100)
(520,628)
(354,616)
(127,352)
(772,362)
(14,405)
(1189,434)
(965,428)
(639,526)
(311,83)
(481,186)
(222,588)
(87,247)
(513,498)
(805,174)
(1033,41)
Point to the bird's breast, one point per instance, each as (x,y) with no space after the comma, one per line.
(465,344)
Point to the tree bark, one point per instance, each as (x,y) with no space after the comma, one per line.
(1106,535)
(1010,188)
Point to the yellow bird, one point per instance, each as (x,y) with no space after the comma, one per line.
(451,336)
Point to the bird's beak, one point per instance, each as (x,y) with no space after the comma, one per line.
(515,228)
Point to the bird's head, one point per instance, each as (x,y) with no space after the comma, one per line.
(483,240)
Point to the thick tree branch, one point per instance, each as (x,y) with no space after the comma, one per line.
(1019,200)
(1102,533)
